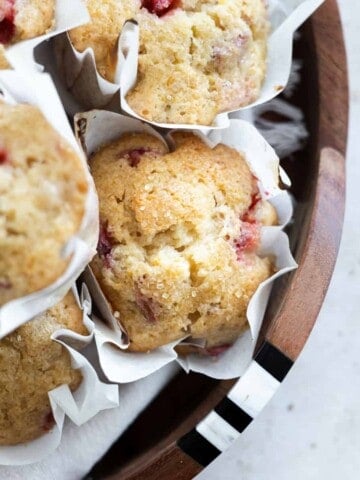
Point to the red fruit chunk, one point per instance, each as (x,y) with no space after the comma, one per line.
(248,240)
(7,18)
(133,156)
(217,350)
(255,199)
(4,157)
(146,305)
(248,216)
(241,40)
(159,7)
(48,422)
(5,284)
(105,244)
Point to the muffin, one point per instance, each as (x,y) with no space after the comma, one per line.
(31,364)
(197,58)
(43,190)
(177,254)
(4,64)
(24,19)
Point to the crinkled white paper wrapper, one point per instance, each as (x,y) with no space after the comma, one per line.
(68,14)
(99,127)
(93,91)
(38,89)
(91,397)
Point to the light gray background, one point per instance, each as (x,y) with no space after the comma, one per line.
(311,429)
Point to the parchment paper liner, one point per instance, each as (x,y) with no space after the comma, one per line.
(91,397)
(96,128)
(68,14)
(93,91)
(38,89)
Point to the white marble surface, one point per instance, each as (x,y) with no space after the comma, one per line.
(311,428)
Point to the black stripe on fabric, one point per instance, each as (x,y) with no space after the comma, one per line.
(198,448)
(274,361)
(233,414)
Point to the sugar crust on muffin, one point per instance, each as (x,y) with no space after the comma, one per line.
(196,58)
(31,364)
(43,190)
(177,254)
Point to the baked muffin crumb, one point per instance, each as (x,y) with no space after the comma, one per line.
(43,190)
(25,19)
(177,254)
(31,364)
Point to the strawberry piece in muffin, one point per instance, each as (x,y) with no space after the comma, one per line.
(4,156)
(7,17)
(159,7)
(24,19)
(105,244)
(249,239)
(134,155)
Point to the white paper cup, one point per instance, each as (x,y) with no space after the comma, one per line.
(38,90)
(96,128)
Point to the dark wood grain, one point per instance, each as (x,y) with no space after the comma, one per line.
(319,188)
(170,463)
(332,77)
(306,289)
(181,404)
(298,297)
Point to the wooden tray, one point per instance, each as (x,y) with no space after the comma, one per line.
(177,449)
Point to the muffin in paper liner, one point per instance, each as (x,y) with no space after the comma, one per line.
(97,128)
(38,90)
(82,79)
(67,14)
(81,405)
